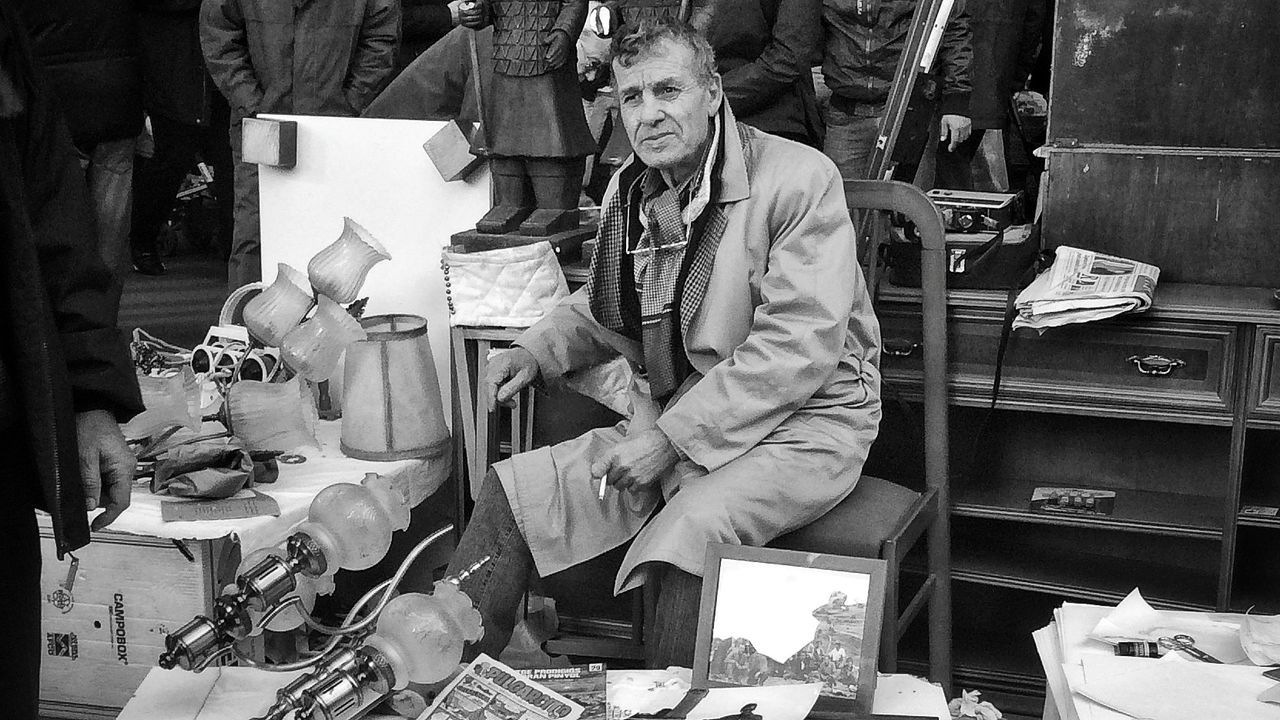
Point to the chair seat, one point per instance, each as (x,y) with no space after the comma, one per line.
(859,525)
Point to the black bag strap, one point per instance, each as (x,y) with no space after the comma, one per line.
(1042,261)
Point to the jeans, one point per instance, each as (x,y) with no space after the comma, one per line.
(109,177)
(498,588)
(245,263)
(850,142)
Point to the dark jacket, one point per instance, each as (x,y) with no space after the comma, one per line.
(90,48)
(423,22)
(861,53)
(764,52)
(1006,36)
(175,83)
(309,57)
(65,353)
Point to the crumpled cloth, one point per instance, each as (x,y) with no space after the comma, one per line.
(212,470)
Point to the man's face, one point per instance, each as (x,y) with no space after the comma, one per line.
(665,109)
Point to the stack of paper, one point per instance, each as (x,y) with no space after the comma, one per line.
(1087,681)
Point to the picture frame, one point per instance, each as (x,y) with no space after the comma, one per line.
(822,612)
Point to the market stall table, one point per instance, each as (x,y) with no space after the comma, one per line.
(240,693)
(106,612)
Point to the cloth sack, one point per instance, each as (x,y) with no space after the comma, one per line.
(507,287)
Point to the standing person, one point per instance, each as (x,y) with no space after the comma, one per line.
(65,375)
(90,51)
(864,42)
(304,57)
(765,50)
(726,267)
(1006,39)
(423,22)
(189,118)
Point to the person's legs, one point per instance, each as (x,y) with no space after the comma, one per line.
(155,184)
(215,149)
(672,631)
(110,180)
(20,592)
(850,142)
(498,587)
(245,264)
(955,167)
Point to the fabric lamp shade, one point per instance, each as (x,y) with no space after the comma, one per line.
(392,408)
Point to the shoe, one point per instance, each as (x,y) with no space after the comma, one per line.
(148,264)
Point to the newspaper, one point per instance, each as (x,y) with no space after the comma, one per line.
(1082,286)
(489,690)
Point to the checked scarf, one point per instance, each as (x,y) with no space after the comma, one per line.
(673,276)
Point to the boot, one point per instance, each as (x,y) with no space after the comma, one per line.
(557,183)
(512,197)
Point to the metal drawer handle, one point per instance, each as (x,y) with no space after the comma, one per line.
(899,348)
(1155,364)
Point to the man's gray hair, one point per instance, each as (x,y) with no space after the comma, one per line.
(643,40)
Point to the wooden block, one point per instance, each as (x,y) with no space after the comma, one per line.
(450,151)
(567,244)
(104,635)
(270,142)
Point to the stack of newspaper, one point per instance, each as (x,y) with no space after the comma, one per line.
(1083,285)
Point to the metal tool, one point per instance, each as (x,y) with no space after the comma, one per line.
(1187,644)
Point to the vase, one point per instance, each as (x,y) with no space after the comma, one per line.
(338,271)
(279,308)
(313,348)
(271,416)
(392,408)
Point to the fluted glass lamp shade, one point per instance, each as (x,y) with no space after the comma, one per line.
(392,408)
(271,416)
(352,524)
(422,636)
(279,307)
(338,271)
(313,348)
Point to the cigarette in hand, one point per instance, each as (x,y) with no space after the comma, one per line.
(603,479)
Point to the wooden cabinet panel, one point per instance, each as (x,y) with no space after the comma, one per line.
(1264,399)
(1118,365)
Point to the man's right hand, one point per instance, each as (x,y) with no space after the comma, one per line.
(509,372)
(471,14)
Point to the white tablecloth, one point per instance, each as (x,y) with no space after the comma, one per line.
(239,693)
(293,491)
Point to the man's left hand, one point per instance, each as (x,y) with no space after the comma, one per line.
(558,48)
(638,461)
(955,130)
(106,465)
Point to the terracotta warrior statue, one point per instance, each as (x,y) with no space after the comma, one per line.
(534,124)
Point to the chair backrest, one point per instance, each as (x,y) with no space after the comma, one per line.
(916,206)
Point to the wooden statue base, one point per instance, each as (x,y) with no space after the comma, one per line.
(567,244)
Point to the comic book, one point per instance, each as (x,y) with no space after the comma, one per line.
(489,690)
(584,684)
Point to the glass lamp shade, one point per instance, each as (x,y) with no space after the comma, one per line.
(279,308)
(171,399)
(392,408)
(271,416)
(338,271)
(313,348)
(422,636)
(352,524)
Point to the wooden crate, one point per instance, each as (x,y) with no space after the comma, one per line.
(107,632)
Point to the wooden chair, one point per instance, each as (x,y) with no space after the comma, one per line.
(879,519)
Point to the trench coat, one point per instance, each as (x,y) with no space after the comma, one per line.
(783,403)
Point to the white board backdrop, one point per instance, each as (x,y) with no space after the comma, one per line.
(376,172)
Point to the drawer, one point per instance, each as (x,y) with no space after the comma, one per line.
(1125,365)
(1264,397)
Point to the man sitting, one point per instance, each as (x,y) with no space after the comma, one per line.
(725,268)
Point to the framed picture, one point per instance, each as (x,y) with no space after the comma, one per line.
(779,616)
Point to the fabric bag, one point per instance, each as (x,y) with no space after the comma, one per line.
(506,287)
